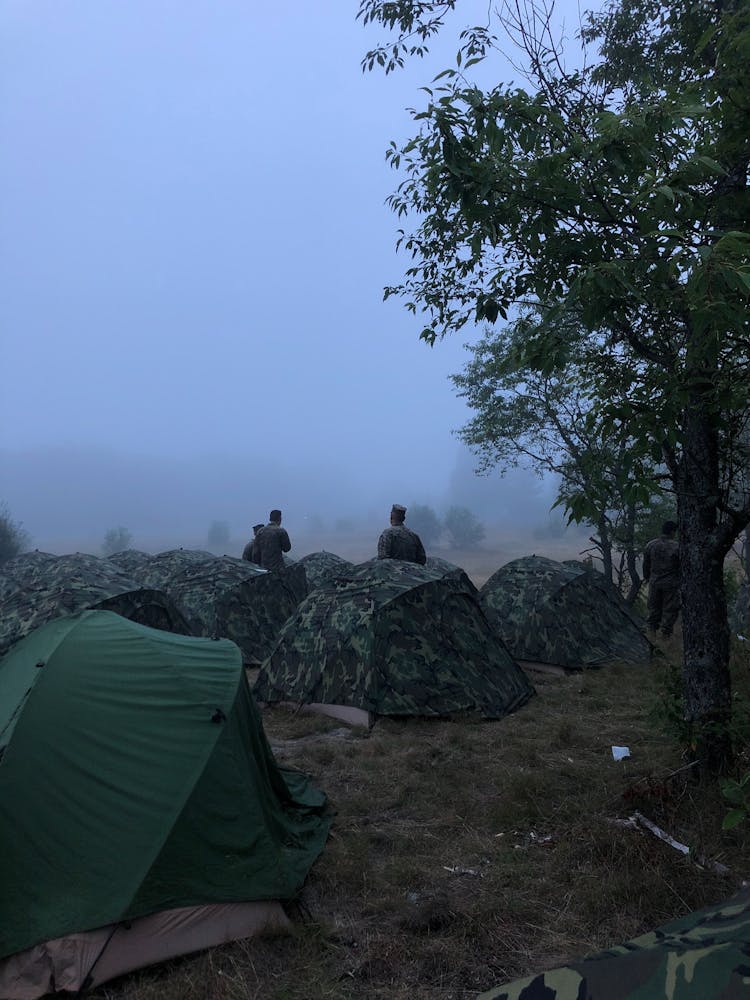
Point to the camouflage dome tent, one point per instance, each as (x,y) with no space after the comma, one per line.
(38,587)
(142,814)
(227,597)
(703,956)
(393,638)
(550,614)
(321,568)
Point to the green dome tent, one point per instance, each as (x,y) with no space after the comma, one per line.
(564,616)
(221,596)
(141,809)
(40,587)
(393,638)
(703,956)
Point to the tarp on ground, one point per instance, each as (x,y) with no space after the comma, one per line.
(230,598)
(703,956)
(135,777)
(47,587)
(323,567)
(561,615)
(394,638)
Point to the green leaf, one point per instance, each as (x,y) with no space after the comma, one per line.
(733,818)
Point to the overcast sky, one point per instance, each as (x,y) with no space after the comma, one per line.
(194,242)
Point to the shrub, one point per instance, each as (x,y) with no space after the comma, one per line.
(465,530)
(425,522)
(13,538)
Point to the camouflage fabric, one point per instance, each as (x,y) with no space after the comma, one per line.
(442,565)
(131,560)
(322,567)
(394,638)
(663,606)
(270,545)
(550,613)
(661,561)
(577,564)
(704,956)
(57,586)
(400,542)
(225,597)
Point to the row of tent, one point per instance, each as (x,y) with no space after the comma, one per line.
(142,814)
(543,612)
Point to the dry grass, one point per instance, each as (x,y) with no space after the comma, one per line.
(520,810)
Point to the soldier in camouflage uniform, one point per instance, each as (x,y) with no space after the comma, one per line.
(271,543)
(399,542)
(661,570)
(249,552)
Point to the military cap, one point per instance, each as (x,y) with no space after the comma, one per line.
(257,527)
(398,509)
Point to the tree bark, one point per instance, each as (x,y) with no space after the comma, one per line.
(605,544)
(705,631)
(630,556)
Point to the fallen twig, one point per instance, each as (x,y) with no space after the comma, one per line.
(639,820)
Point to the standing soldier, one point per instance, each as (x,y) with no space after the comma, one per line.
(271,542)
(661,570)
(399,542)
(249,552)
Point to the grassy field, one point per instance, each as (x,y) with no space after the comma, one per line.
(467,853)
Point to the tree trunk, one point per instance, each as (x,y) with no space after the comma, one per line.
(605,544)
(706,679)
(630,556)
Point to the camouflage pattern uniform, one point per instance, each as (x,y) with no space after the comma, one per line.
(269,546)
(400,542)
(661,570)
(250,552)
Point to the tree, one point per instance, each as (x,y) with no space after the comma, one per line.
(548,421)
(465,531)
(14,539)
(218,535)
(116,540)
(426,523)
(619,191)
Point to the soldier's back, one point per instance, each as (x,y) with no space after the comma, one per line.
(665,559)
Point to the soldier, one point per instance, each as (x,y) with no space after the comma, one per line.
(661,570)
(249,553)
(271,542)
(399,542)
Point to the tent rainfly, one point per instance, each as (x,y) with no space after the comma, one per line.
(393,638)
(39,587)
(221,596)
(561,616)
(142,814)
(322,568)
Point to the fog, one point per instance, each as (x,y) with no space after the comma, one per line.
(193,246)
